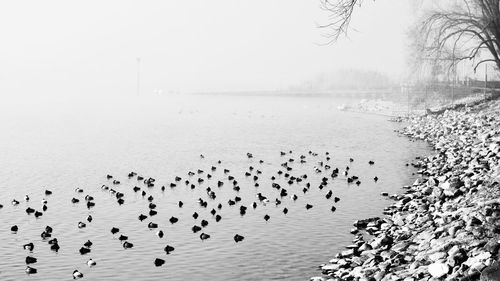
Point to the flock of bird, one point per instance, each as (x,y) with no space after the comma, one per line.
(193,180)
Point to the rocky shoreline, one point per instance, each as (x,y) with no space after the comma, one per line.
(446,225)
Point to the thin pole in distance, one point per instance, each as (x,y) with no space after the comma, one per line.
(138,76)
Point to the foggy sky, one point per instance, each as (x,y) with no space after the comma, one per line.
(90,47)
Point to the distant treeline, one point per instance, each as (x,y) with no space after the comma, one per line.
(348,79)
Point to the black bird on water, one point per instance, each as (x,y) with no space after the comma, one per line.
(204,223)
(243,210)
(195,228)
(267,217)
(84,251)
(169,249)
(173,220)
(308,206)
(30,246)
(45,234)
(115,230)
(329,194)
(30,270)
(30,260)
(204,236)
(202,203)
(55,247)
(261,197)
(238,238)
(159,262)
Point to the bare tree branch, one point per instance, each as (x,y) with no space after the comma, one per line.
(471,29)
(340,13)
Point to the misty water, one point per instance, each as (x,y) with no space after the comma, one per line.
(64,144)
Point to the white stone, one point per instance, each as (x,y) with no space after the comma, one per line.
(438,269)
(445,185)
(330,267)
(478,258)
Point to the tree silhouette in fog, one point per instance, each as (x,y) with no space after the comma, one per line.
(452,30)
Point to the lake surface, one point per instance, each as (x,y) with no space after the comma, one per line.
(64,144)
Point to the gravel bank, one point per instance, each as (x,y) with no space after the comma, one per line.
(446,226)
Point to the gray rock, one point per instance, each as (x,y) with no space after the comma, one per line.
(492,246)
(437,256)
(491,273)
